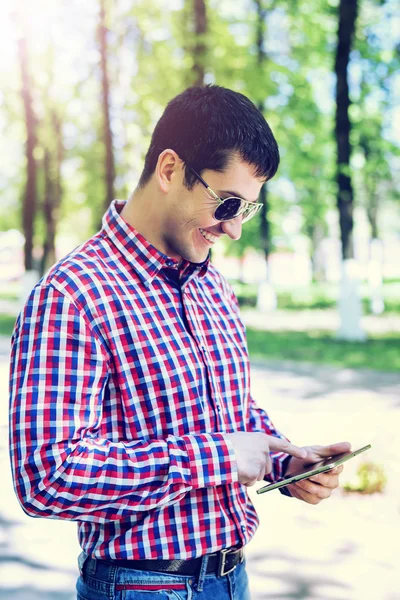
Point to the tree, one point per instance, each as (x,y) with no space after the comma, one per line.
(199,48)
(378,65)
(255,66)
(308,139)
(30,194)
(107,133)
(265,229)
(347,19)
(349,301)
(53,157)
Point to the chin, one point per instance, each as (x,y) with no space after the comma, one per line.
(193,250)
(195,257)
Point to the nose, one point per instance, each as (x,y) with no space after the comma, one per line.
(233,227)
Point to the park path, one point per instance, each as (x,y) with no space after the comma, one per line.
(319,319)
(346,548)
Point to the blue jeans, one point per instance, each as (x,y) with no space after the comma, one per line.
(100,581)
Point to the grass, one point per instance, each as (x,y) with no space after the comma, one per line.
(378,353)
(7,323)
(9,295)
(10,290)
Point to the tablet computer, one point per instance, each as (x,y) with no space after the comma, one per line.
(314,469)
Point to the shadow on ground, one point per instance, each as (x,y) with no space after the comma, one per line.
(324,379)
(295,586)
(29,593)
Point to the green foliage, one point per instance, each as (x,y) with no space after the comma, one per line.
(374,150)
(305,299)
(245,293)
(11,292)
(151,59)
(371,479)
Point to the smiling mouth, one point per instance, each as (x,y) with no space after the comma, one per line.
(208,236)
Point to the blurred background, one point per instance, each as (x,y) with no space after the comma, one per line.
(317,272)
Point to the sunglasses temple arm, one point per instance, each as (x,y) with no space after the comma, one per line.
(199,177)
(213,194)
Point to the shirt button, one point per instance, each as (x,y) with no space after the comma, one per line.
(243,528)
(170,263)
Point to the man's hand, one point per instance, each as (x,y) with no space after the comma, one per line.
(252,454)
(319,487)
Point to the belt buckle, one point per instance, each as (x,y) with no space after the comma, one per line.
(222,561)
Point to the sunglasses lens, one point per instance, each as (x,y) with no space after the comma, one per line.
(229,209)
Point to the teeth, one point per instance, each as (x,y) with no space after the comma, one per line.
(209,237)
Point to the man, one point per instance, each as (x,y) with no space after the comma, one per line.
(131,410)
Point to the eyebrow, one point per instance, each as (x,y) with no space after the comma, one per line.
(236,194)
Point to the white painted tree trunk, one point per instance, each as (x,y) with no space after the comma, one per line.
(29,280)
(350,308)
(267,300)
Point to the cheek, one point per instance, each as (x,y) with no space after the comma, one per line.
(177,217)
(190,213)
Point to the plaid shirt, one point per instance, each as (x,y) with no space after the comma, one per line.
(123,383)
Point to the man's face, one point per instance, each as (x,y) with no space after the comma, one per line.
(190,228)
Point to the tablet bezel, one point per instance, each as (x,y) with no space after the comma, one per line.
(327,465)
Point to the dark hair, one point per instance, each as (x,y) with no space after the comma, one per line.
(204,125)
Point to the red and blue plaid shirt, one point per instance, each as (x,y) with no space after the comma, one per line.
(124,380)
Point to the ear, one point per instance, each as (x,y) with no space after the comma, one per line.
(168,166)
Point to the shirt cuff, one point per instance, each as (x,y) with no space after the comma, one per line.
(212,460)
(280,463)
(285,490)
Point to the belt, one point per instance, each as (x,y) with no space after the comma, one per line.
(219,563)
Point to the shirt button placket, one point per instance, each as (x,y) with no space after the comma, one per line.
(216,398)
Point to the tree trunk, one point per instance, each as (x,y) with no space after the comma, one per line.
(107,133)
(372,213)
(265,229)
(350,308)
(30,195)
(316,235)
(267,299)
(347,20)
(264,223)
(266,296)
(199,49)
(260,32)
(53,192)
(370,191)
(48,244)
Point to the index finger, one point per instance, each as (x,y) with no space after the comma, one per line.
(333,449)
(279,445)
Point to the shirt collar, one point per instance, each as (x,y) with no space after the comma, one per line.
(142,255)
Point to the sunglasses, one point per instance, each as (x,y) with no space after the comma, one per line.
(232,207)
